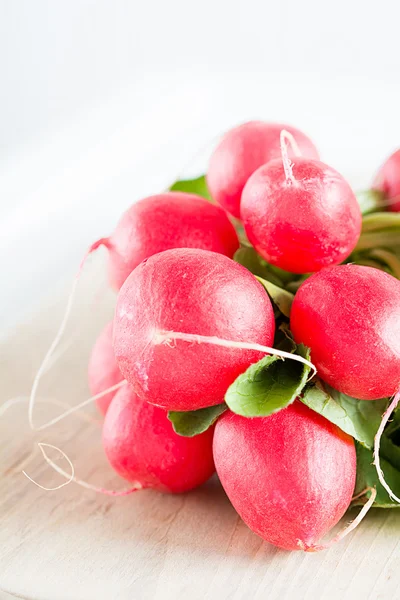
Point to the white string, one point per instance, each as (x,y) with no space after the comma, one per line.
(49,354)
(377,442)
(165,337)
(44,366)
(7,404)
(62,349)
(291,139)
(73,409)
(69,477)
(350,527)
(285,137)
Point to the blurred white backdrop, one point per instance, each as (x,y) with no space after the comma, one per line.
(105,101)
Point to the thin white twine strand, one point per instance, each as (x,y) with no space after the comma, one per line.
(71,477)
(350,527)
(5,406)
(286,137)
(166,337)
(46,361)
(377,442)
(74,409)
(44,366)
(61,350)
(49,354)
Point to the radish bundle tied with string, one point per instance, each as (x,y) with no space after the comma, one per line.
(225,346)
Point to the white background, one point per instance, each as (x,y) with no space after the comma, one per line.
(105,101)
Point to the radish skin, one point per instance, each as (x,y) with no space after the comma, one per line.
(165,221)
(349,316)
(290,476)
(242,151)
(142,446)
(300,215)
(193,292)
(103,371)
(169,220)
(350,527)
(387,180)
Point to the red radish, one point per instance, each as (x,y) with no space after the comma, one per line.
(290,476)
(300,216)
(189,291)
(164,221)
(349,316)
(241,151)
(103,371)
(157,223)
(141,445)
(388,181)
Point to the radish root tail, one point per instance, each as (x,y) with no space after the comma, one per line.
(48,357)
(71,409)
(377,443)
(69,477)
(286,137)
(350,527)
(78,407)
(169,337)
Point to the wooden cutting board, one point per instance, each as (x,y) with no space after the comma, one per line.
(73,544)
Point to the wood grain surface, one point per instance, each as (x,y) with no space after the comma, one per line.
(73,544)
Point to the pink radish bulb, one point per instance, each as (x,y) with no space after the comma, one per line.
(240,153)
(141,446)
(195,292)
(164,221)
(302,220)
(349,316)
(388,181)
(290,476)
(103,371)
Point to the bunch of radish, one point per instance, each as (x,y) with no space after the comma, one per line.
(257,333)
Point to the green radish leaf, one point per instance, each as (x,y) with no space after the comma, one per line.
(199,186)
(282,298)
(388,238)
(248,257)
(193,422)
(370,201)
(379,258)
(389,260)
(364,259)
(238,225)
(268,385)
(390,451)
(284,339)
(282,275)
(358,418)
(367,475)
(192,186)
(381,221)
